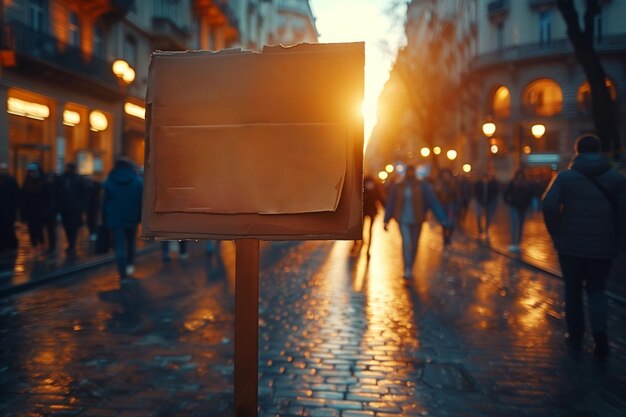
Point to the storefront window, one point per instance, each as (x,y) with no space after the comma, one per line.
(501,102)
(543,97)
(584,95)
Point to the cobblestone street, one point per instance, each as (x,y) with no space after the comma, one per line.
(474,334)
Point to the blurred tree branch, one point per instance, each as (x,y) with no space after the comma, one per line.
(604,108)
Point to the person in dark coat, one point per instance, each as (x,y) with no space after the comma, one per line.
(486,195)
(585,213)
(72,202)
(408,203)
(372,198)
(92,211)
(35,198)
(449,195)
(465,191)
(9,202)
(121,211)
(518,196)
(52,212)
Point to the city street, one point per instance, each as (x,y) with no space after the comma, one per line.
(474,334)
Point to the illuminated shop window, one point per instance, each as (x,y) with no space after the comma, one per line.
(501,102)
(543,97)
(583,98)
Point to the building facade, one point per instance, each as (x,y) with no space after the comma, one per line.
(516,68)
(74,73)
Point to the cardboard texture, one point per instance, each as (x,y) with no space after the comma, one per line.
(255,145)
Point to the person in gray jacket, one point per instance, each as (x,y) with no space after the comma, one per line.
(585,212)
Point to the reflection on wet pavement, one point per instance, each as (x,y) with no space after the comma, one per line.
(341,334)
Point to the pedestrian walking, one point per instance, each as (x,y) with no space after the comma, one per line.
(585,213)
(486,195)
(408,203)
(449,195)
(465,191)
(92,210)
(9,203)
(35,206)
(52,214)
(518,196)
(182,250)
(72,203)
(123,190)
(372,199)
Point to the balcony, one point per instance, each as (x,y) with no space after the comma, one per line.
(45,56)
(498,10)
(167,35)
(556,48)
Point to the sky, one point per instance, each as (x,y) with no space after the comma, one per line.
(362,20)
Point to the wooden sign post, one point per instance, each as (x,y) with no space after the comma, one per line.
(247,146)
(246,327)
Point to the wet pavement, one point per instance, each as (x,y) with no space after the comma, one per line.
(536,248)
(22,269)
(474,334)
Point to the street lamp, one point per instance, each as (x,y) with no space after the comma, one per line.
(489,129)
(451,154)
(436,150)
(389,168)
(425,152)
(467,168)
(383,175)
(538,130)
(123,71)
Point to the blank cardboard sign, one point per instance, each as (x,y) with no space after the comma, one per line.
(255,145)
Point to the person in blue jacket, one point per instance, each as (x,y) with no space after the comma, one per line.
(121,211)
(408,203)
(585,213)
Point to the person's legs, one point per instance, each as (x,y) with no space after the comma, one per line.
(71,223)
(130,234)
(119,237)
(369,237)
(520,228)
(407,247)
(165,248)
(489,212)
(51,229)
(514,217)
(573,275)
(479,217)
(415,237)
(597,272)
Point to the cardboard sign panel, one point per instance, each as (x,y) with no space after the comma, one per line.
(255,145)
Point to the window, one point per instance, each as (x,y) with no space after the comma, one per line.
(74,29)
(599,29)
(130,51)
(500,38)
(501,102)
(37,15)
(584,95)
(98,41)
(545,27)
(543,97)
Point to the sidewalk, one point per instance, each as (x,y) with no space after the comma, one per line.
(21,270)
(536,248)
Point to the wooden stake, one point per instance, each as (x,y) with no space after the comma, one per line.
(246,327)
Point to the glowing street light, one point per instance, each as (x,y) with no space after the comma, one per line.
(538,130)
(383,175)
(425,152)
(436,150)
(489,129)
(389,168)
(451,154)
(123,71)
(467,168)
(494,149)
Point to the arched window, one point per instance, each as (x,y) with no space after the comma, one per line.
(501,102)
(543,97)
(584,95)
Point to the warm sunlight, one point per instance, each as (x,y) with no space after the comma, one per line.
(367,22)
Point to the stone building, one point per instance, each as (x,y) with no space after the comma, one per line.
(61,96)
(517,69)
